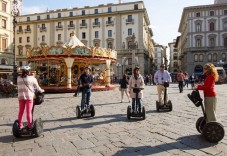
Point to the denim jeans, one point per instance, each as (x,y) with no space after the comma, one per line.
(136,102)
(86,92)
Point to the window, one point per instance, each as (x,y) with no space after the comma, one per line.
(96,34)
(48,16)
(175,64)
(83,12)
(130,31)
(109,9)
(223,56)
(109,33)
(96,11)
(59,37)
(197,14)
(43,26)
(83,23)
(212,42)
(198,27)
(225,12)
(211,13)
(201,58)
(38,17)
(20,28)
(196,58)
(28,18)
(71,23)
(4,7)
(225,25)
(83,35)
(4,43)
(3,23)
(215,57)
(59,25)
(136,7)
(110,45)
(70,14)
(59,15)
(20,51)
(212,26)
(129,18)
(28,27)
(20,39)
(20,63)
(28,39)
(198,43)
(209,58)
(225,42)
(96,21)
(3,61)
(109,19)
(43,38)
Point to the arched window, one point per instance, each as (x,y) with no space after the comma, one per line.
(215,57)
(225,25)
(198,27)
(225,42)
(201,58)
(211,26)
(196,57)
(212,42)
(3,61)
(209,58)
(110,45)
(198,42)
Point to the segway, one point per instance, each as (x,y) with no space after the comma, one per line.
(88,111)
(36,131)
(212,131)
(136,113)
(166,106)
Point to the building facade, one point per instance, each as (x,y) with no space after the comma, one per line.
(159,57)
(203,36)
(173,58)
(109,26)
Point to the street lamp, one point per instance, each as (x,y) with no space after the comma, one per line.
(15,12)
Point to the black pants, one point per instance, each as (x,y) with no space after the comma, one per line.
(180,85)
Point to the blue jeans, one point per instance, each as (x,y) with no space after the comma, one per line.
(136,102)
(86,92)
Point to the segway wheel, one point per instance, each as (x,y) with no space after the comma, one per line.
(15,129)
(92,109)
(129,109)
(170,106)
(78,112)
(213,132)
(38,127)
(143,113)
(200,124)
(157,106)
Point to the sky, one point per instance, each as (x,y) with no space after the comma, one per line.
(164,15)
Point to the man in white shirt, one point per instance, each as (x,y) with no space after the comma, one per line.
(160,77)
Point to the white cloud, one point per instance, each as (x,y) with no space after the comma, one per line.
(33,9)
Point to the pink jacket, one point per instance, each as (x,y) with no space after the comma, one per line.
(140,84)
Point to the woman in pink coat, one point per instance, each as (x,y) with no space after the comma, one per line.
(136,81)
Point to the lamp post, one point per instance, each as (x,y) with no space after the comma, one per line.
(132,47)
(15,12)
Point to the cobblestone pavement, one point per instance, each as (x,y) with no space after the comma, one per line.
(109,132)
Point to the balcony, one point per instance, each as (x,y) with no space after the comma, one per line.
(20,31)
(129,21)
(27,30)
(71,26)
(59,27)
(42,29)
(83,25)
(96,24)
(109,23)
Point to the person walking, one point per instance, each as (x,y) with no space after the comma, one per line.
(192,80)
(27,84)
(160,77)
(180,79)
(186,80)
(208,88)
(124,87)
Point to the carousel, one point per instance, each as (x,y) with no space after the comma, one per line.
(58,68)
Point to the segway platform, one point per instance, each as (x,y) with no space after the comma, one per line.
(164,107)
(36,131)
(89,111)
(212,131)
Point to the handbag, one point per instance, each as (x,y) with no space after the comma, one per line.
(38,97)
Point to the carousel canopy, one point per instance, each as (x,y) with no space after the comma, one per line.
(73,41)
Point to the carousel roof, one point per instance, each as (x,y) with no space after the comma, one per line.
(73,41)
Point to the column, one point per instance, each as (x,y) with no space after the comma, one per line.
(69,63)
(108,72)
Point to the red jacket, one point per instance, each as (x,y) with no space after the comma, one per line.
(208,87)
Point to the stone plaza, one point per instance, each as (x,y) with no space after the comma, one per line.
(110,132)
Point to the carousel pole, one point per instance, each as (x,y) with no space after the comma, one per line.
(69,63)
(108,72)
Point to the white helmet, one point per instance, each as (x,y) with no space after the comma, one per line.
(26,67)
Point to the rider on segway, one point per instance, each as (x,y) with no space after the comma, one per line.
(86,81)
(161,77)
(136,81)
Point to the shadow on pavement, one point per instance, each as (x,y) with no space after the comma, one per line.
(11,138)
(185,143)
